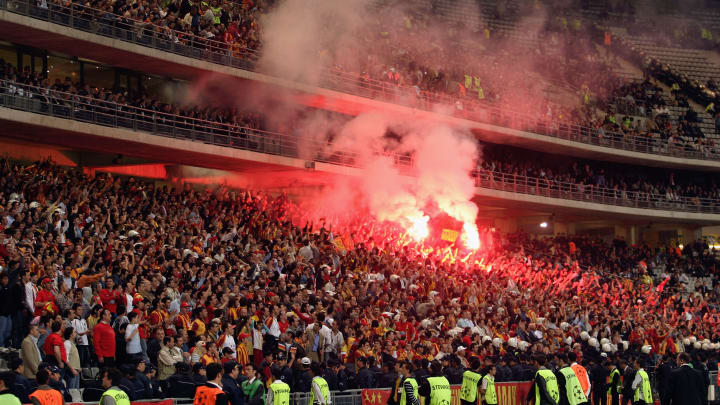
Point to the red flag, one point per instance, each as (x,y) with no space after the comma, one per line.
(661,286)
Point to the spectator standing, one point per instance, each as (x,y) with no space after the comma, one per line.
(44,394)
(30,353)
(81,332)
(104,340)
(167,358)
(132,336)
(72,359)
(628,377)
(54,346)
(7,305)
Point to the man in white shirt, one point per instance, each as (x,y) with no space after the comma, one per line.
(336,341)
(132,335)
(30,281)
(81,329)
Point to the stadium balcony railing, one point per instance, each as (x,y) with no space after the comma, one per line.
(113,26)
(86,109)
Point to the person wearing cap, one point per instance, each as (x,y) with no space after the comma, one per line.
(278,392)
(56,381)
(45,299)
(6,381)
(113,395)
(252,388)
(286,374)
(436,388)
(470,380)
(231,371)
(183,318)
(319,388)
(44,394)
(303,381)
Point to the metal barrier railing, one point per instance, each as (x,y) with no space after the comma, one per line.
(106,24)
(588,193)
(86,109)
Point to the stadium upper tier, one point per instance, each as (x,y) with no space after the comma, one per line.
(496,184)
(117,27)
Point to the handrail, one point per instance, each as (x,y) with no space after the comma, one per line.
(110,25)
(87,109)
(589,193)
(107,113)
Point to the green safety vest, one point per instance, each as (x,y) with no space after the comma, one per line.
(573,388)
(490,395)
(550,383)
(468,82)
(324,390)
(469,388)
(9,399)
(413,382)
(440,393)
(216,14)
(618,387)
(281,392)
(250,389)
(481,93)
(120,397)
(645,387)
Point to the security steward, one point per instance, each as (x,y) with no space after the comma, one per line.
(319,389)
(436,387)
(113,395)
(487,386)
(544,390)
(569,387)
(470,380)
(279,392)
(581,373)
(405,387)
(44,395)
(211,393)
(641,386)
(614,383)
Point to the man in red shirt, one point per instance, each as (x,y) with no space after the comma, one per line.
(104,340)
(54,346)
(45,299)
(108,296)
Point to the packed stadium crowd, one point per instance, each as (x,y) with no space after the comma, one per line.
(163,282)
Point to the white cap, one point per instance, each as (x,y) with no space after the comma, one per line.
(460,348)
(305,361)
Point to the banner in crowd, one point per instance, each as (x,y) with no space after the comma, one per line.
(508,393)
